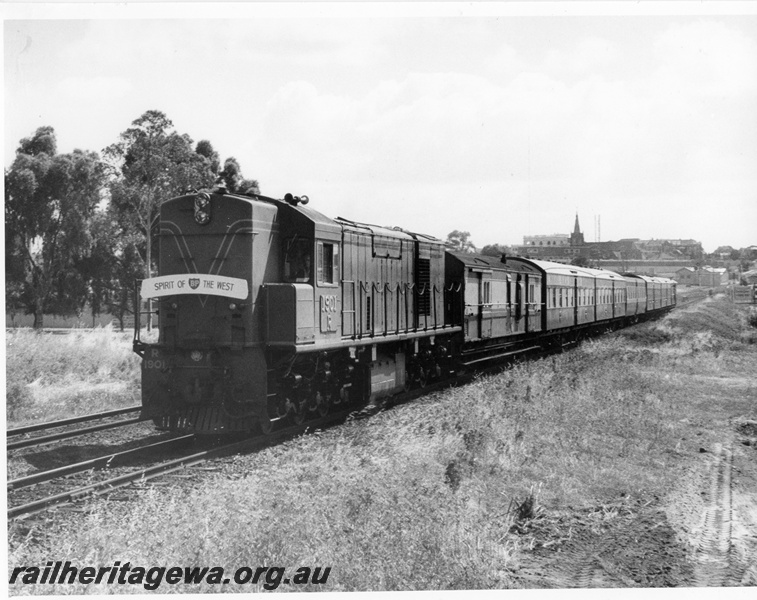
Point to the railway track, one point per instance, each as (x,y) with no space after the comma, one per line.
(115,461)
(69,477)
(39,491)
(20,437)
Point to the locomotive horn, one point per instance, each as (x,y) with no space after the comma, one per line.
(295,200)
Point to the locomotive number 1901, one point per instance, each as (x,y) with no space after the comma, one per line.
(328,313)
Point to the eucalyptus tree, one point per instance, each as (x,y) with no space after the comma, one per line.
(49,201)
(232,177)
(460,240)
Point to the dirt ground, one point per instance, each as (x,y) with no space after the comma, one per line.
(703,533)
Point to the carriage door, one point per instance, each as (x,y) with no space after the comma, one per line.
(485,311)
(519,303)
(473,305)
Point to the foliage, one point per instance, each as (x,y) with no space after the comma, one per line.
(234,181)
(497,250)
(50,199)
(113,264)
(460,241)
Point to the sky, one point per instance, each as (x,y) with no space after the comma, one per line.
(503,120)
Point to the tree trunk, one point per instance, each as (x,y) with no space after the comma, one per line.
(39,315)
(122,308)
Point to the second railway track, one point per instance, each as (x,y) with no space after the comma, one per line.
(39,491)
(52,431)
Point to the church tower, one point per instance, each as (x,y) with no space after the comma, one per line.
(577,238)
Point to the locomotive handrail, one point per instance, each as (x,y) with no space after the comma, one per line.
(398,289)
(433,301)
(386,309)
(363,288)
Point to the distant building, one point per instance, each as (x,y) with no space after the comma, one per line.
(687,276)
(556,239)
(645,257)
(706,276)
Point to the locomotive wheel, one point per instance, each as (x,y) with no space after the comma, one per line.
(423,378)
(264,425)
(324,404)
(300,413)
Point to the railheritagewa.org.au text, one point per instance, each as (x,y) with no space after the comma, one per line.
(151,578)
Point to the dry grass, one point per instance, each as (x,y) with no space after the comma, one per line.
(426,496)
(56,376)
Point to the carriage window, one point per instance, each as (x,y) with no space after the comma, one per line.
(298,260)
(487,292)
(328,257)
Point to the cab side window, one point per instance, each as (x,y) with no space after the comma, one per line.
(297,262)
(328,263)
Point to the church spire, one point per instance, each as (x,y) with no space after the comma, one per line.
(577,238)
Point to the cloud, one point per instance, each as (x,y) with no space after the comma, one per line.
(589,55)
(705,59)
(93,89)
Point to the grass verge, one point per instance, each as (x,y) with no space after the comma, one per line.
(51,377)
(430,495)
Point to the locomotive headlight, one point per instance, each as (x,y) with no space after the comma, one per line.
(202,209)
(232,306)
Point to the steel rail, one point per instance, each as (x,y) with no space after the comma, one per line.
(46,439)
(120,481)
(102,487)
(71,421)
(101,462)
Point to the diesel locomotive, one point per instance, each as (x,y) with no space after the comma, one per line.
(269,310)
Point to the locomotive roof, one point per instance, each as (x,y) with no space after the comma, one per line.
(312,214)
(306,211)
(395,232)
